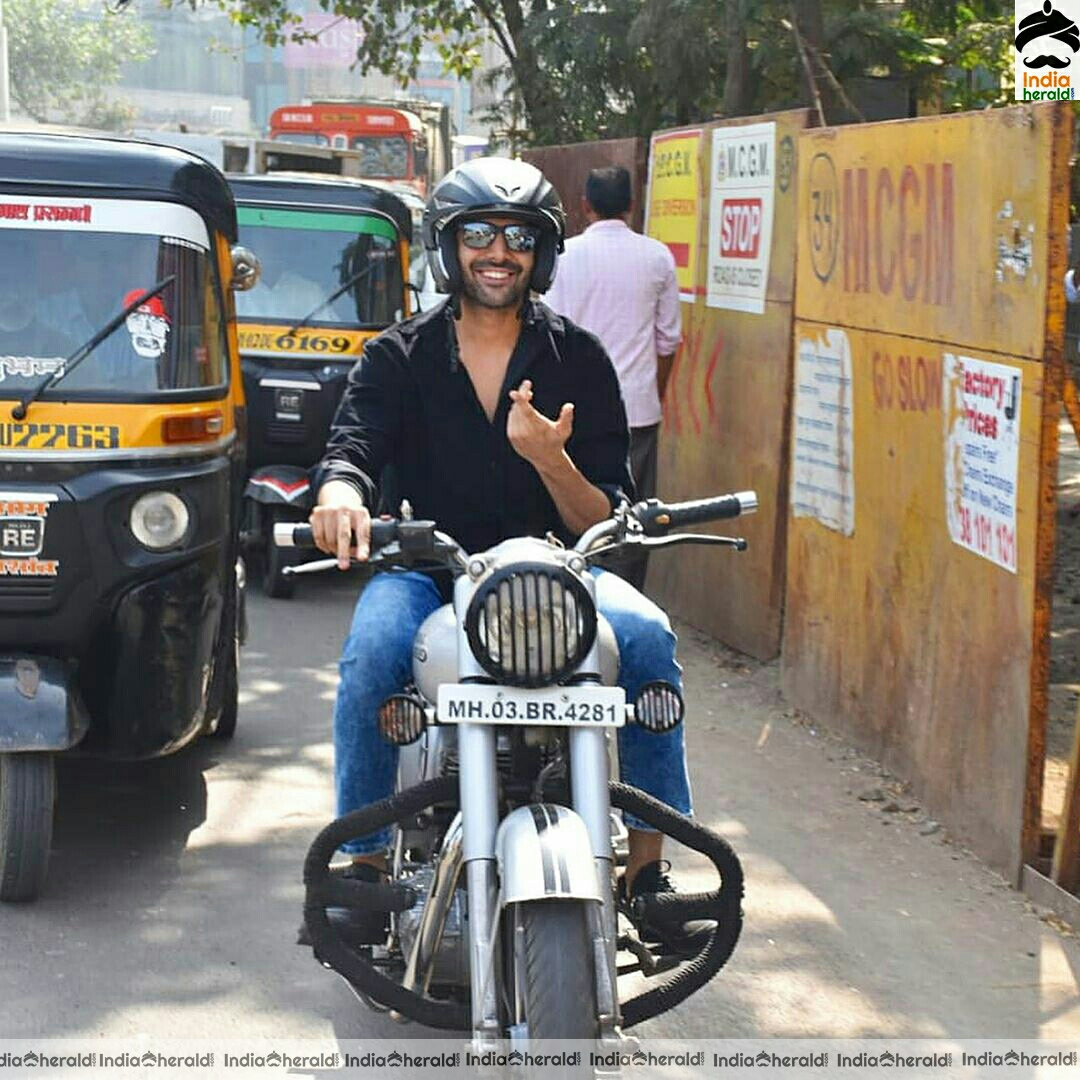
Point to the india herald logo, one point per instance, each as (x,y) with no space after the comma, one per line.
(1047,38)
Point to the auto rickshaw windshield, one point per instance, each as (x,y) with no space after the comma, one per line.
(308,255)
(60,286)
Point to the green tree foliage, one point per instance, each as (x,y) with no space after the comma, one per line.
(589,69)
(967,61)
(63,54)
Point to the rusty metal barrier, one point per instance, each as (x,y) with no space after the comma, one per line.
(928,372)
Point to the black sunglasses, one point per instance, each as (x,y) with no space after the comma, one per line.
(481,234)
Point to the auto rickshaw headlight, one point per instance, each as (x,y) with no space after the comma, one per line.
(159,520)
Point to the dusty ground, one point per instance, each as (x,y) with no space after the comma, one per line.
(1065,635)
(863,915)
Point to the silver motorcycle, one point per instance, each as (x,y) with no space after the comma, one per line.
(505,917)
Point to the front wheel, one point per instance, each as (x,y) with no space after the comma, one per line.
(558,982)
(27,794)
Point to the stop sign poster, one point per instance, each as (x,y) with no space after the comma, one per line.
(741,183)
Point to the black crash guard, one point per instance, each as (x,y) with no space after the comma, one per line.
(323,890)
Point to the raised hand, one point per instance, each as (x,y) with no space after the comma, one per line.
(537,439)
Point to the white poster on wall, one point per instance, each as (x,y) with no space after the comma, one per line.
(741,183)
(822,474)
(982,455)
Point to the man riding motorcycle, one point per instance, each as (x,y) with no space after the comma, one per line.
(499,419)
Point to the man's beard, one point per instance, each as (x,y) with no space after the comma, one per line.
(477,292)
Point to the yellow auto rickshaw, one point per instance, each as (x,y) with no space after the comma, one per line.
(121,465)
(335,272)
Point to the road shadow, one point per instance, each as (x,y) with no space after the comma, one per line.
(113,816)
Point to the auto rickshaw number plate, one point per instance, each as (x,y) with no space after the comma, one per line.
(59,436)
(258,340)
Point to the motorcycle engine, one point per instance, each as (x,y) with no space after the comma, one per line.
(451,967)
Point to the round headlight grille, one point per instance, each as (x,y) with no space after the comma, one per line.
(531,624)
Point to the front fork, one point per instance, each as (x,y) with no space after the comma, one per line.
(479,793)
(479,790)
(589,795)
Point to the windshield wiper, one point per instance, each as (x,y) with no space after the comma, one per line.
(18,412)
(330,299)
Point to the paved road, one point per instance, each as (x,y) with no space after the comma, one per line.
(175,893)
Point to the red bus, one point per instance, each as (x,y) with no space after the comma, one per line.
(394,143)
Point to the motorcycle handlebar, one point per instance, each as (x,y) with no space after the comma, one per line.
(657,518)
(723,506)
(291,534)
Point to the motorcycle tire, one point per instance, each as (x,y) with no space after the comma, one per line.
(559,980)
(27,794)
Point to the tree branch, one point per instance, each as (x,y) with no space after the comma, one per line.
(810,80)
(486,10)
(834,82)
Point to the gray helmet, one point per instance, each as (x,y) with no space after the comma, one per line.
(486,186)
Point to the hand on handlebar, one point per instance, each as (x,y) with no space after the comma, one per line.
(341,524)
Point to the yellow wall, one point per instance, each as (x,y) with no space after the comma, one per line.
(928,247)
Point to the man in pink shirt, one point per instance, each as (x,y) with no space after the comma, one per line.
(621,286)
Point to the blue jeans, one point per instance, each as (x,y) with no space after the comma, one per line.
(377,662)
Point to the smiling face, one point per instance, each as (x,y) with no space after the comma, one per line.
(495,276)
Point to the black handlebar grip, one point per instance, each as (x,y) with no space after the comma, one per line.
(703,510)
(290,534)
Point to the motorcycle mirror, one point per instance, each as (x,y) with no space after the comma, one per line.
(246,269)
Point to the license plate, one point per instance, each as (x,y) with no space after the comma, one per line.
(288,404)
(554,706)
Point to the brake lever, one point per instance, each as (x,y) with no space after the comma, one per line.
(423,547)
(736,542)
(640,540)
(309,567)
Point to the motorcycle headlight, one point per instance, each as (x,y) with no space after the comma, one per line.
(531,624)
(159,520)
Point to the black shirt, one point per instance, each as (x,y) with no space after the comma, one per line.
(410,403)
